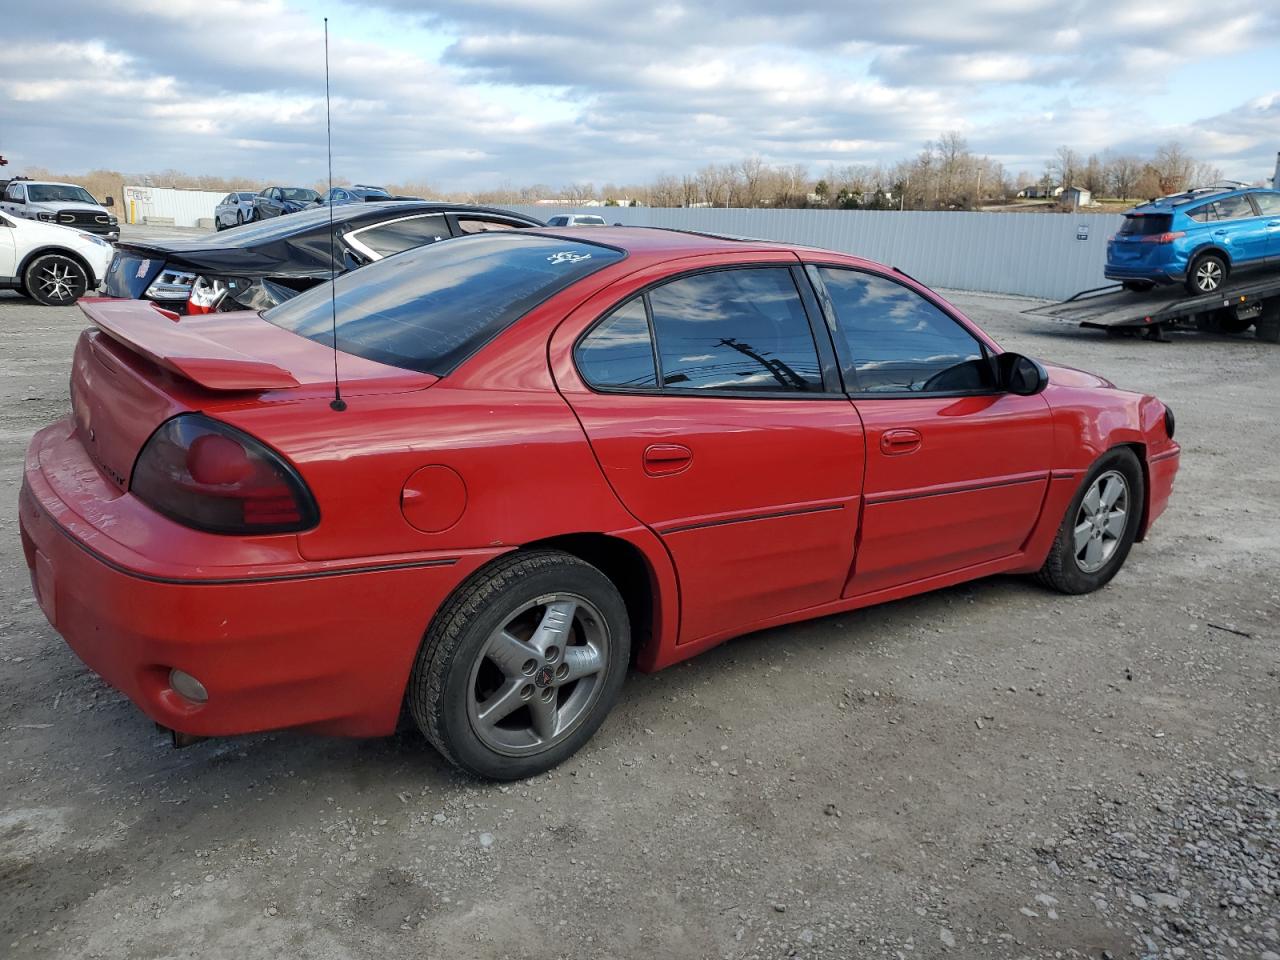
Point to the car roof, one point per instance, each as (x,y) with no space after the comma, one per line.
(659,243)
(1175,201)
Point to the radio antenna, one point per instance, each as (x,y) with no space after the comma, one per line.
(337,403)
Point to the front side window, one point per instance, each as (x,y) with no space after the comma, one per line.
(742,329)
(899,342)
(558,222)
(394,236)
(431,308)
(13,191)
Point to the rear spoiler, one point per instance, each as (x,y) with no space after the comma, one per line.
(159,335)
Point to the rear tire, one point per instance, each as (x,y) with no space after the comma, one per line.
(521,665)
(55,280)
(1138,286)
(1207,273)
(1093,542)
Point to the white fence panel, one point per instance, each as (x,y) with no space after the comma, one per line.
(162,204)
(1050,255)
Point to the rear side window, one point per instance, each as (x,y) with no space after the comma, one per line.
(1268,203)
(1145,225)
(557,221)
(432,307)
(398,235)
(899,342)
(618,352)
(482,225)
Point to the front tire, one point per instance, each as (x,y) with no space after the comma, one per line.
(521,665)
(1207,273)
(55,280)
(239,218)
(1099,526)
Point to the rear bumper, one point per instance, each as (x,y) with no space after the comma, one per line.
(1161,276)
(318,647)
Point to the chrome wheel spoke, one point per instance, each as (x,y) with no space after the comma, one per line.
(510,654)
(1091,501)
(546,715)
(582,662)
(502,704)
(553,632)
(1115,524)
(1082,534)
(1093,553)
(1111,491)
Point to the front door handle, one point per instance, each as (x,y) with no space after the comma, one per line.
(894,443)
(666,459)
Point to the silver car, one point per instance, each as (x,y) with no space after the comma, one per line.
(577,220)
(234,210)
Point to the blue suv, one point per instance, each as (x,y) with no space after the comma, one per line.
(1199,238)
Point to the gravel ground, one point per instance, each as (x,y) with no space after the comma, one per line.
(987,771)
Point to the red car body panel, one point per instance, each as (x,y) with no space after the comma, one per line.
(745,513)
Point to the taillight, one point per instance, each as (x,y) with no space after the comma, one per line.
(206,295)
(210,476)
(171,285)
(1164,237)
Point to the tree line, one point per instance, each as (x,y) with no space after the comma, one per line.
(944,175)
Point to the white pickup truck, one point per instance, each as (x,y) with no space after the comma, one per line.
(66,204)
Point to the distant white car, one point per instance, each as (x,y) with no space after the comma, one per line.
(53,265)
(577,220)
(236,208)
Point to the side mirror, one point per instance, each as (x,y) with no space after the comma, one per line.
(109,201)
(1020,375)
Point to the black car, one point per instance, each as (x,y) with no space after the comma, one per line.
(360,193)
(261,264)
(277,201)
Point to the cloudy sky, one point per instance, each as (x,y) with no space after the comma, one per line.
(481,93)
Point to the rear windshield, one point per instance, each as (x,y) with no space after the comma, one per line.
(298,193)
(431,307)
(1145,224)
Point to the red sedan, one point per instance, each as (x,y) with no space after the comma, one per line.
(553,454)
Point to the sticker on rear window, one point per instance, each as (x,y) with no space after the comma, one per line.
(568,256)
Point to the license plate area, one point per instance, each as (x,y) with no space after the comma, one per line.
(1249,311)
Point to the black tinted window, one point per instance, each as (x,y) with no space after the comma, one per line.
(618,351)
(1268,203)
(431,308)
(388,238)
(1232,208)
(898,341)
(1144,225)
(734,330)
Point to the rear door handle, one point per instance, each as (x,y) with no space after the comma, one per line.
(666,459)
(894,443)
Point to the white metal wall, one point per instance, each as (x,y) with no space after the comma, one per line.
(1050,255)
(184,207)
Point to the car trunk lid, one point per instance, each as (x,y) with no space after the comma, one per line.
(143,365)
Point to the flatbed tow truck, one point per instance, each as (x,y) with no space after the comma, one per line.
(1239,305)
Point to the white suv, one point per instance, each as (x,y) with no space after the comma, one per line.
(50,264)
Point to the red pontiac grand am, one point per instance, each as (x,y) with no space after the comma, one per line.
(557,453)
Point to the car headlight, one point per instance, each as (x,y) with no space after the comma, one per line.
(46,217)
(1170,422)
(113,221)
(92,238)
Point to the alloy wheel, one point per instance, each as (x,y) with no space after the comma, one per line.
(1101,520)
(60,281)
(538,675)
(1208,276)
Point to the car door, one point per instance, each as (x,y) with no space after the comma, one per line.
(1240,229)
(1268,204)
(716,416)
(956,470)
(13,198)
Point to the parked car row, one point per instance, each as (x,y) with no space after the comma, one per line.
(240,207)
